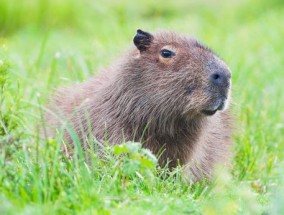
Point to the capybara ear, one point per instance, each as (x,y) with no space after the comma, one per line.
(142,40)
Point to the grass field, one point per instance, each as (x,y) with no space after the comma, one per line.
(46,44)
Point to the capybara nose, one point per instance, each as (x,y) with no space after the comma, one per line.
(219,79)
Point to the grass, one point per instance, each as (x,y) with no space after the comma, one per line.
(46,44)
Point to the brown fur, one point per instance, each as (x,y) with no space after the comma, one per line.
(154,100)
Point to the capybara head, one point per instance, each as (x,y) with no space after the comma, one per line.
(178,75)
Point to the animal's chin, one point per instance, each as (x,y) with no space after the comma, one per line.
(215,106)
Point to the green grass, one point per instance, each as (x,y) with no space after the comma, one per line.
(46,44)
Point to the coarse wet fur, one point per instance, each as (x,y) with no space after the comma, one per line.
(169,92)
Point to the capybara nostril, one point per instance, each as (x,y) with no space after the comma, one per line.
(218,78)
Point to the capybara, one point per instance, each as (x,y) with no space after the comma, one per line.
(169,92)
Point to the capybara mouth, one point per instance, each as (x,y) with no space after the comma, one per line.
(214,107)
(209,112)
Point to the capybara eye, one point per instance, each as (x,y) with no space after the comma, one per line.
(165,53)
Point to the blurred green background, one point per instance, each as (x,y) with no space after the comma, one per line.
(53,43)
